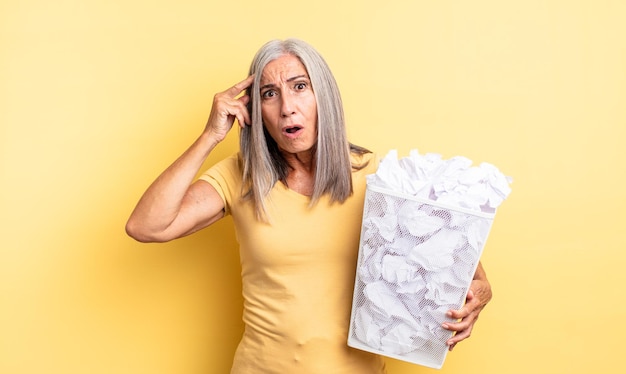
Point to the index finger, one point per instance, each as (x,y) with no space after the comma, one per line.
(241,86)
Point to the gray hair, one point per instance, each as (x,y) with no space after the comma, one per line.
(262,163)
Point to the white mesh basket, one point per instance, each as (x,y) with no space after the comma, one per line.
(416,261)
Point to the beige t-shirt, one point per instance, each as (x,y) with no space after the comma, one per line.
(298,278)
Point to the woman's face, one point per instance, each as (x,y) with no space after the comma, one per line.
(288,105)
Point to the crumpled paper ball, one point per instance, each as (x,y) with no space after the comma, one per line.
(453,181)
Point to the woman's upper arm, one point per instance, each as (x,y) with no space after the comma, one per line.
(202,206)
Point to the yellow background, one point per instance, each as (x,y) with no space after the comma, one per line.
(97,97)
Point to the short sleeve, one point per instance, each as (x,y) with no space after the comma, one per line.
(225,177)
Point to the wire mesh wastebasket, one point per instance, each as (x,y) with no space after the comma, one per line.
(416,261)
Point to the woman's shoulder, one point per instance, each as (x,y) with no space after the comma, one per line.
(231,162)
(228,168)
(364,160)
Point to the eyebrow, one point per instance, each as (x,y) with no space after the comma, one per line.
(270,85)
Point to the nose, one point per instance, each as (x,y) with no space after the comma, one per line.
(287,107)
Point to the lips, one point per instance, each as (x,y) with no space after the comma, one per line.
(292,130)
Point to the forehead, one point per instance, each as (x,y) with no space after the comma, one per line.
(283,68)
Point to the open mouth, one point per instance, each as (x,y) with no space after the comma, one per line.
(293,129)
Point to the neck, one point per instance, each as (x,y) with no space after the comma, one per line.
(301,177)
(302,162)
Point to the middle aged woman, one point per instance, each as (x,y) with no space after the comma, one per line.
(295,192)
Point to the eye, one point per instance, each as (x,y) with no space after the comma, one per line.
(268,94)
(300,86)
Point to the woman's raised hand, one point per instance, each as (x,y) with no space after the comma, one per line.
(227,107)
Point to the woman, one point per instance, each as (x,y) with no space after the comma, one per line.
(295,192)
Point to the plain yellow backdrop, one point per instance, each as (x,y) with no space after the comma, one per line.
(98,96)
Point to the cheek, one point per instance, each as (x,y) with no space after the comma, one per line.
(312,105)
(266,115)
(313,112)
(270,109)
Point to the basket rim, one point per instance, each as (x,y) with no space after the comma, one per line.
(430,202)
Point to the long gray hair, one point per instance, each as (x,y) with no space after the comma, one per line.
(262,162)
